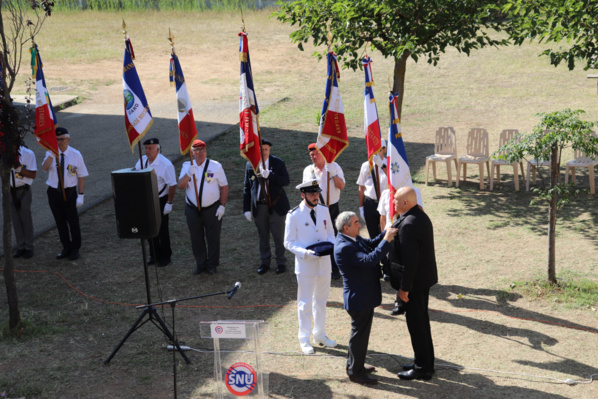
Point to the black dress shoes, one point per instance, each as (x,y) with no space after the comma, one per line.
(64,254)
(263,269)
(398,309)
(151,260)
(280,269)
(18,253)
(163,262)
(74,255)
(28,254)
(335,275)
(198,271)
(414,374)
(211,270)
(367,369)
(363,379)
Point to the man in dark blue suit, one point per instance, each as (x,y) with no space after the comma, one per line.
(413,257)
(358,260)
(266,203)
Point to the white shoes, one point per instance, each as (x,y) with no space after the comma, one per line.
(327,342)
(306,348)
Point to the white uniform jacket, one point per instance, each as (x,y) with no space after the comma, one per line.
(300,233)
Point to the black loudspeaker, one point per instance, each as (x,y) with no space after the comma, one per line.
(136,203)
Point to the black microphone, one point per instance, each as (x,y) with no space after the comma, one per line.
(235,288)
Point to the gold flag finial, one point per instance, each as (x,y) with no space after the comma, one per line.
(329,34)
(171,39)
(124,28)
(242,19)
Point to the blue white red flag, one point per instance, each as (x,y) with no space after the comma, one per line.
(397,166)
(248,109)
(187,128)
(370,114)
(332,136)
(45,117)
(138,118)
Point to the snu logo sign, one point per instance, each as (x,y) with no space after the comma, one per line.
(240,379)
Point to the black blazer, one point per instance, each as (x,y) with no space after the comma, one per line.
(413,248)
(360,270)
(278,178)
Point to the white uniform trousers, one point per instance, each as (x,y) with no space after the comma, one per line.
(312,295)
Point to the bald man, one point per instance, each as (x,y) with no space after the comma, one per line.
(412,255)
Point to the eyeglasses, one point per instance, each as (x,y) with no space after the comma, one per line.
(198,149)
(61,139)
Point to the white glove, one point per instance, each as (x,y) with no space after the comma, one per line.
(167,208)
(329,168)
(264,172)
(80,200)
(50,154)
(361,213)
(248,216)
(18,170)
(310,254)
(191,171)
(220,212)
(378,161)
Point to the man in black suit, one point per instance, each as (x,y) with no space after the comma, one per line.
(268,213)
(413,256)
(358,260)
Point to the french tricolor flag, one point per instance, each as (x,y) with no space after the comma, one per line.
(370,113)
(45,117)
(397,169)
(248,109)
(332,136)
(187,128)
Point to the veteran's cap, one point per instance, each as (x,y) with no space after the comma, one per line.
(310,186)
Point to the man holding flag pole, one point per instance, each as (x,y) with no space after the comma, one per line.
(264,200)
(372,179)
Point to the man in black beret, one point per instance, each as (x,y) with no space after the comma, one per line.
(160,250)
(68,172)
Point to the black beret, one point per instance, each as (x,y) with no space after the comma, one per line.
(60,131)
(266,142)
(151,141)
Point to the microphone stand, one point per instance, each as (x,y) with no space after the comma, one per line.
(175,343)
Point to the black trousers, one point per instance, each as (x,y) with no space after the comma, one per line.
(361,325)
(372,217)
(66,217)
(334,212)
(204,229)
(418,324)
(160,245)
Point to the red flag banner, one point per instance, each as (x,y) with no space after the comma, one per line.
(45,117)
(248,109)
(187,128)
(332,136)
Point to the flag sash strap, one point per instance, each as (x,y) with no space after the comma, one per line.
(45,117)
(249,132)
(397,171)
(138,117)
(186,121)
(332,136)
(370,113)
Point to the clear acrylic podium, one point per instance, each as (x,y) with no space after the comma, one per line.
(241,372)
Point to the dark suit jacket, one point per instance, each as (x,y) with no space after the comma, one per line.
(360,270)
(278,178)
(413,248)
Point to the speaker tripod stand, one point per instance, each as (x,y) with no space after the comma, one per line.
(152,316)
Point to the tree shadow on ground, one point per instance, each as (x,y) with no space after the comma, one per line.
(513,209)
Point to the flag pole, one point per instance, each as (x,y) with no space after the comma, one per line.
(171,39)
(259,136)
(329,36)
(132,58)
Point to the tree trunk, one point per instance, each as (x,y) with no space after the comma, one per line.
(554,174)
(398,85)
(14,316)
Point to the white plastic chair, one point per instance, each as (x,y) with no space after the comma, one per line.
(445,150)
(505,137)
(477,153)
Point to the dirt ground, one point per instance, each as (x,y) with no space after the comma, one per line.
(490,341)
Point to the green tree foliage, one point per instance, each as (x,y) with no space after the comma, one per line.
(555,132)
(555,21)
(400,29)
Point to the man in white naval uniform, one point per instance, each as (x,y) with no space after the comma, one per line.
(307,225)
